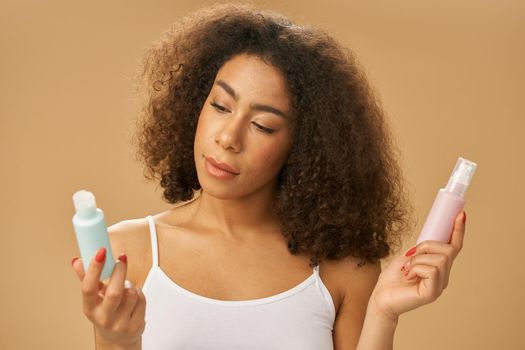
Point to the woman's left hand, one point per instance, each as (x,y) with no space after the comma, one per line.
(417,278)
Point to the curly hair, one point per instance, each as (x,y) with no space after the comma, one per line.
(341,191)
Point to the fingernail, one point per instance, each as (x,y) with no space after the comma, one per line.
(101,255)
(122,257)
(464,217)
(74,259)
(411,251)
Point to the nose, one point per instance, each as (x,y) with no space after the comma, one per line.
(229,136)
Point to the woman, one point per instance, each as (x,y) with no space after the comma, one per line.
(268,138)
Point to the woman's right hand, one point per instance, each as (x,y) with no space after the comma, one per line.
(117,313)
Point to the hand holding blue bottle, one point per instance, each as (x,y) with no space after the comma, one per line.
(110,302)
(117,312)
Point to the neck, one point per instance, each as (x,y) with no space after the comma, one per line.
(242,218)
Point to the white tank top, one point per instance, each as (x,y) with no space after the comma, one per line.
(300,318)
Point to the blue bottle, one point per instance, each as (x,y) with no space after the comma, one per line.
(91,231)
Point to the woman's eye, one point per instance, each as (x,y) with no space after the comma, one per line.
(222,109)
(263,129)
(219,108)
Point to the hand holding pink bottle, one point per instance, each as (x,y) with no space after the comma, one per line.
(420,276)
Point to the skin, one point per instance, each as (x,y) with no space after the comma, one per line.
(368,302)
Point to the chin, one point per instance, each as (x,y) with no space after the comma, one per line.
(220,192)
(217,188)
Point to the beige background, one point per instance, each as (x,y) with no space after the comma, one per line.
(451,77)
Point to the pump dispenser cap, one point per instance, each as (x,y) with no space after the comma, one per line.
(461,177)
(84,201)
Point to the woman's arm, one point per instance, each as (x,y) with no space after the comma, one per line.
(373,300)
(101,344)
(378,330)
(358,320)
(358,282)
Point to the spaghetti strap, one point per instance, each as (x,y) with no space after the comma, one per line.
(317,275)
(154,246)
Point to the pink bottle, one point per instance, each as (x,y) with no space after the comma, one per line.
(448,204)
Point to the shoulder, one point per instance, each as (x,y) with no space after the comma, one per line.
(354,283)
(126,233)
(132,237)
(359,278)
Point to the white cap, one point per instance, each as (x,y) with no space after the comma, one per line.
(84,201)
(461,176)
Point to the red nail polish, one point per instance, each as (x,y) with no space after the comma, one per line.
(101,255)
(74,259)
(464,217)
(123,258)
(411,251)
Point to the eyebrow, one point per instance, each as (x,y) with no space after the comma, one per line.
(254,106)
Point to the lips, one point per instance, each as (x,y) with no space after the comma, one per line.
(222,166)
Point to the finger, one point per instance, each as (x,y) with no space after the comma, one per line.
(432,247)
(430,285)
(115,289)
(127,304)
(91,280)
(458,232)
(78,267)
(440,261)
(137,316)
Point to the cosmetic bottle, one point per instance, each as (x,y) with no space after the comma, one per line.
(449,202)
(91,231)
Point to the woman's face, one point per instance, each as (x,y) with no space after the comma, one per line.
(245,123)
